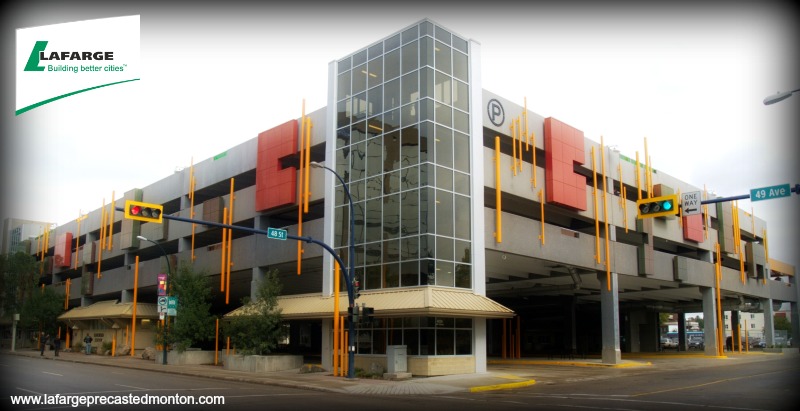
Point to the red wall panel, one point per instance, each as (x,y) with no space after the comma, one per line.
(276,186)
(63,250)
(563,146)
(693,228)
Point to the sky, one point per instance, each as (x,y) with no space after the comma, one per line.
(690,79)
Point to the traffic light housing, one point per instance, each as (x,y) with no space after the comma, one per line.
(657,206)
(140,211)
(368,312)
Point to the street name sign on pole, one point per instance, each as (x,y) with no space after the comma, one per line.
(172,306)
(690,203)
(768,193)
(162,304)
(276,233)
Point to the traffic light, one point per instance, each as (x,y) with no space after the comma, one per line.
(356,289)
(368,312)
(137,210)
(352,314)
(658,206)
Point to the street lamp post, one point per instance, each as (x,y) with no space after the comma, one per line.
(349,276)
(779,96)
(169,274)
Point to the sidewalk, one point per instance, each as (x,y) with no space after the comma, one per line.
(502,374)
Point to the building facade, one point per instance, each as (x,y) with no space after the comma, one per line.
(481,229)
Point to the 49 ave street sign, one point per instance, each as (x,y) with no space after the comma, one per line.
(768,193)
(690,203)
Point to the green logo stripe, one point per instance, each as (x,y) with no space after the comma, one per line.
(50,100)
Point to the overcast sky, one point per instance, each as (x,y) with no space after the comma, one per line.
(690,79)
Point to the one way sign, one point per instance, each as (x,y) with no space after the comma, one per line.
(690,202)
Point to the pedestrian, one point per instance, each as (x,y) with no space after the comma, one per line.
(56,344)
(43,343)
(88,343)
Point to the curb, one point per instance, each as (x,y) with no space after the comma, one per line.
(506,386)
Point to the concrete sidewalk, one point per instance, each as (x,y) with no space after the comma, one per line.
(502,374)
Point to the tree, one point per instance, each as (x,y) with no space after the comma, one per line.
(257,327)
(782,323)
(194,323)
(17,281)
(42,309)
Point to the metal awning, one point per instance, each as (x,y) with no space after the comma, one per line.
(111,309)
(418,301)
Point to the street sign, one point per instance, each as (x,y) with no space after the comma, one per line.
(768,193)
(162,284)
(172,306)
(690,203)
(162,304)
(276,233)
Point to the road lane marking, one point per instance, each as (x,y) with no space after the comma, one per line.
(689,387)
(32,392)
(131,386)
(52,373)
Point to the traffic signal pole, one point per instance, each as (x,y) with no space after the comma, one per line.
(348,279)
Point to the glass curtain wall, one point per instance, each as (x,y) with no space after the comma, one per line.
(402,146)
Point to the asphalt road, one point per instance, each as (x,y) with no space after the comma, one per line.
(716,385)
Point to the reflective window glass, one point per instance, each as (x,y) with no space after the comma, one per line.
(461,151)
(343,112)
(410,87)
(391,216)
(391,151)
(461,183)
(391,95)
(444,213)
(391,120)
(462,217)
(343,86)
(375,51)
(444,248)
(442,57)
(463,276)
(409,178)
(444,146)
(358,161)
(375,72)
(374,156)
(460,67)
(373,220)
(442,88)
(374,101)
(409,250)
(409,146)
(444,274)
(373,274)
(444,114)
(358,132)
(360,57)
(359,79)
(409,274)
(444,178)
(391,65)
(391,254)
(463,251)
(410,57)
(461,96)
(409,203)
(344,65)
(374,187)
(360,106)
(409,34)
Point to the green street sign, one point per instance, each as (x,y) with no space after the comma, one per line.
(768,193)
(172,306)
(276,233)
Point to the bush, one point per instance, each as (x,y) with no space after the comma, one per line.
(257,329)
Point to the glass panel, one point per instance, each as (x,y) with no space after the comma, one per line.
(442,56)
(409,274)
(461,96)
(358,132)
(409,203)
(425,141)
(375,126)
(411,341)
(445,343)
(442,35)
(340,222)
(342,163)
(461,183)
(462,217)
(463,276)
(391,216)
(391,182)
(374,187)
(444,114)
(426,27)
(444,213)
(358,191)
(461,121)
(373,274)
(426,174)
(374,101)
(460,44)
(373,255)
(409,146)
(342,137)
(409,250)
(426,52)
(444,178)
(411,322)
(460,67)
(360,57)
(464,323)
(427,342)
(374,156)
(444,248)
(344,64)
(343,112)
(443,88)
(410,60)
(379,341)
(444,146)
(409,113)
(394,334)
(426,210)
(444,274)
(426,84)
(391,97)
(359,79)
(375,51)
(427,272)
(373,219)
(462,251)
(375,72)
(391,120)
(391,275)
(391,65)
(463,342)
(410,87)
(409,178)
(426,109)
(358,163)
(427,246)
(358,211)
(445,322)
(410,34)
(461,151)
(391,151)
(343,86)
(360,106)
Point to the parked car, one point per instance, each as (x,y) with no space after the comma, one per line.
(758,344)
(668,343)
(696,344)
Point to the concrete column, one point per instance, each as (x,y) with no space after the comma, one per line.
(769,321)
(736,338)
(126,296)
(479,337)
(710,320)
(609,313)
(682,332)
(327,344)
(573,327)
(258,275)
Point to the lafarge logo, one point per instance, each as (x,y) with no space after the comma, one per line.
(38,54)
(62,60)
